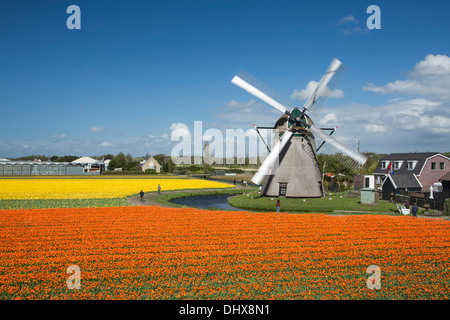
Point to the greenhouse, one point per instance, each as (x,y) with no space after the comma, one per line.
(47,168)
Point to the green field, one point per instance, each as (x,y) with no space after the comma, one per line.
(339,203)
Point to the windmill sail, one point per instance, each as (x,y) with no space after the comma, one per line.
(325,87)
(271,160)
(260,90)
(291,168)
(346,151)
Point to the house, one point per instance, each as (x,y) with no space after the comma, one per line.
(150,163)
(410,172)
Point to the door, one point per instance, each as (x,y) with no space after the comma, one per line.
(283,188)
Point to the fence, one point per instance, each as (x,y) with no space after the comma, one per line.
(434,204)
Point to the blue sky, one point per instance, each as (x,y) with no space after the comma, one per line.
(136,70)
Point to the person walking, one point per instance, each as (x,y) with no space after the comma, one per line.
(159,189)
(142,195)
(278,205)
(414,210)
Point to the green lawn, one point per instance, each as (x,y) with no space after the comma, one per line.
(62,203)
(339,202)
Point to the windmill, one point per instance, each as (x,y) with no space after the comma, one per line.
(291,168)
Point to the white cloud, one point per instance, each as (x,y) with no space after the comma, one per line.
(59,136)
(429,77)
(427,116)
(328,119)
(238,114)
(304,94)
(398,126)
(96,129)
(346,20)
(106,144)
(249,107)
(432,65)
(374,128)
(177,126)
(350,25)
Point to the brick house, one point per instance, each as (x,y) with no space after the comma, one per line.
(410,171)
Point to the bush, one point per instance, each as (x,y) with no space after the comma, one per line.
(234,171)
(124,172)
(194,167)
(150,171)
(447,207)
(180,170)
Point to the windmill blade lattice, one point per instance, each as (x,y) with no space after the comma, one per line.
(271,160)
(356,158)
(325,87)
(252,85)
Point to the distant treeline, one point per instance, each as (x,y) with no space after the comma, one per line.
(327,163)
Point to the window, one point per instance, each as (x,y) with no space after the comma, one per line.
(397,165)
(384,165)
(433,166)
(283,188)
(412,164)
(378,179)
(441,166)
(367,183)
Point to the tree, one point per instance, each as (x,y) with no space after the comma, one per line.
(118,161)
(130,163)
(161,159)
(170,164)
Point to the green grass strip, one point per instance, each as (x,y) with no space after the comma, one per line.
(62,203)
(254,201)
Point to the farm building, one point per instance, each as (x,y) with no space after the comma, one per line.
(150,163)
(90,165)
(410,172)
(363,181)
